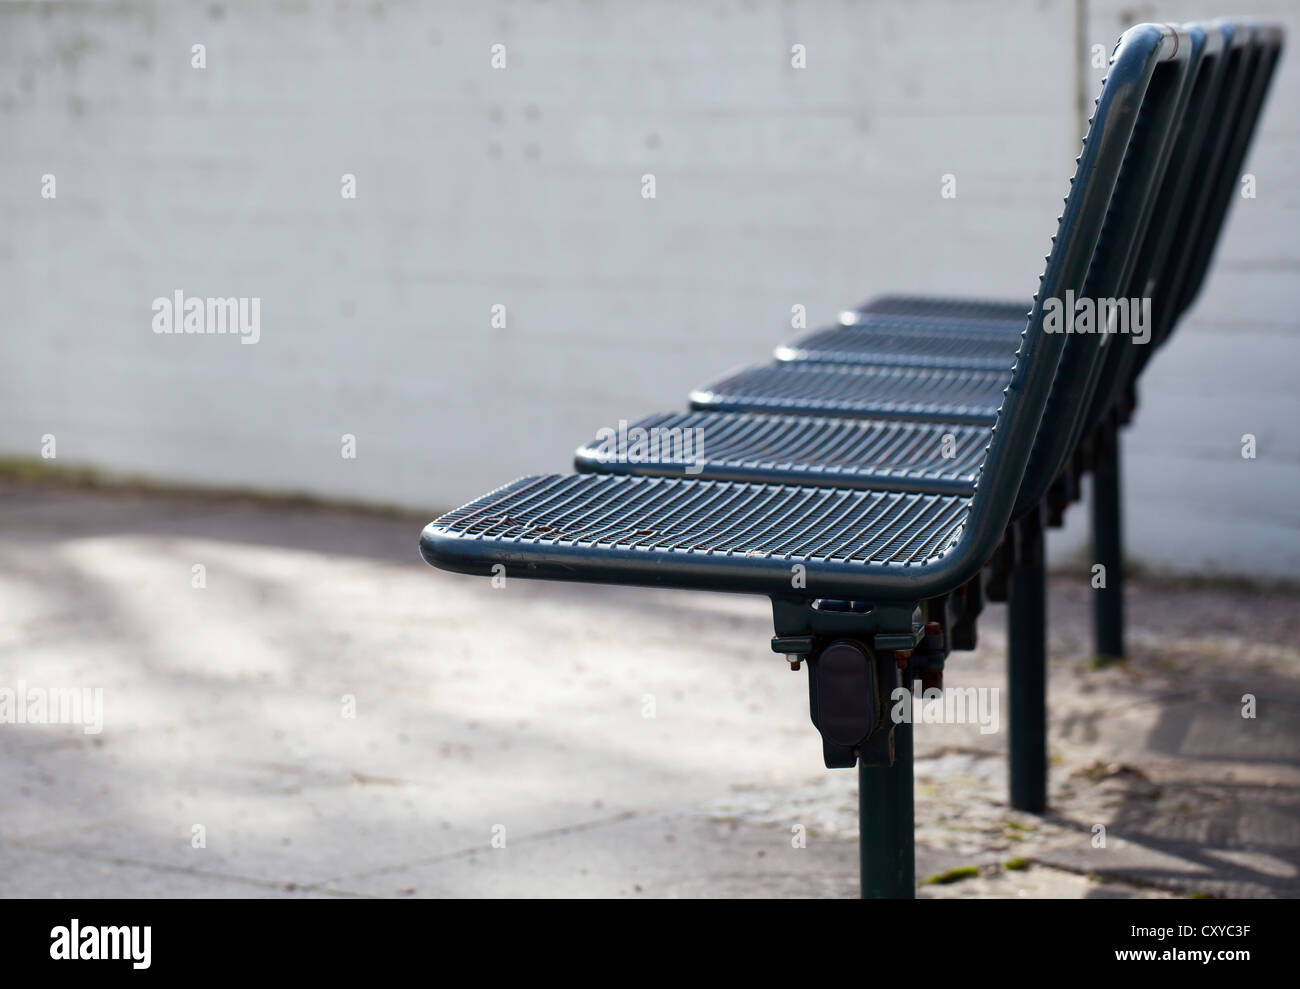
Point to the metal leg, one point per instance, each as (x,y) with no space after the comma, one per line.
(1108,548)
(1027,667)
(856,656)
(886,828)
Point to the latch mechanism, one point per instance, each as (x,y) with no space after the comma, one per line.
(857,655)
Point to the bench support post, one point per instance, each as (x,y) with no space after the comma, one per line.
(1108,547)
(859,655)
(886,828)
(1027,665)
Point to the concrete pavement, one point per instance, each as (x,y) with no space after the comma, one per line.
(316,712)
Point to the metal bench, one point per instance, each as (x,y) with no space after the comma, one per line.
(880,568)
(966,337)
(926,391)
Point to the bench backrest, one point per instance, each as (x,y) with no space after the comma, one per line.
(1134,89)
(1259,55)
(1212,77)
(1230,66)
(1159,111)
(1207,170)
(1227,90)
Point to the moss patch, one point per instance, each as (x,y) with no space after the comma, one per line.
(954,875)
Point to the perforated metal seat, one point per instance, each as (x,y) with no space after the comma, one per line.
(948,308)
(884,343)
(937,458)
(932,394)
(695,534)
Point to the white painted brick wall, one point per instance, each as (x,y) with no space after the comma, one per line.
(522,187)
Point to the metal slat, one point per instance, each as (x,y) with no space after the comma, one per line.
(856,453)
(710,518)
(934,307)
(973,348)
(933,394)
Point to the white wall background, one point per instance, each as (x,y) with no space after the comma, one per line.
(522,187)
